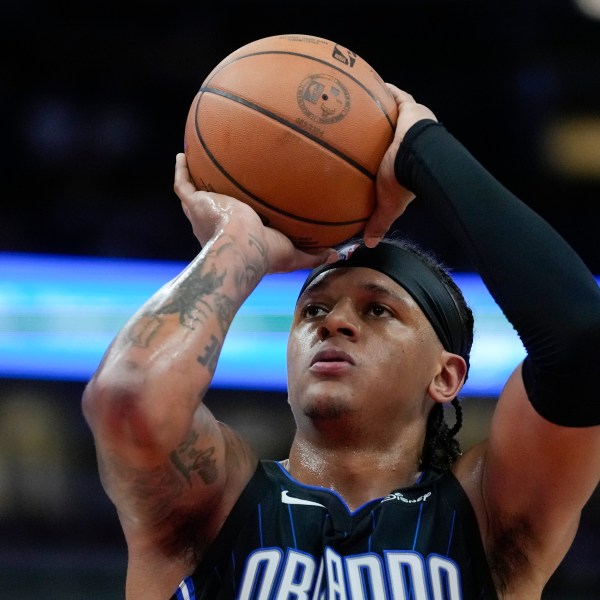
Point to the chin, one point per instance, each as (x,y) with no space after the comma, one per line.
(326,410)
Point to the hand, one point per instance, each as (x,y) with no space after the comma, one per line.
(392,198)
(212,214)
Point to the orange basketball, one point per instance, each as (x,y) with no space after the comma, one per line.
(295,126)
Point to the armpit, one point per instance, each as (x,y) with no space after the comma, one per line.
(508,554)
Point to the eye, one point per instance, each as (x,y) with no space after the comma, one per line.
(313,310)
(378,310)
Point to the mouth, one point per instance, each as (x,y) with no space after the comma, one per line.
(331,356)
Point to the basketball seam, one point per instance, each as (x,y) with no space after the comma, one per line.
(218,165)
(322,61)
(290,125)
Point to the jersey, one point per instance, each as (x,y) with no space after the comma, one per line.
(284,540)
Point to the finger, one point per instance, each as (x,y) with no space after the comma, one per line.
(311,259)
(184,187)
(400,95)
(378,225)
(384,215)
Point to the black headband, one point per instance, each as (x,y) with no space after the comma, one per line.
(409,271)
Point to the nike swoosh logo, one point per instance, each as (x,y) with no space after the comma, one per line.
(286,499)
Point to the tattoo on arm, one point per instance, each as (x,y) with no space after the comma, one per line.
(254,271)
(188,301)
(253,268)
(253,241)
(143,331)
(189,460)
(211,354)
(225,311)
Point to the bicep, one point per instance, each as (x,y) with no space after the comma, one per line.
(137,468)
(161,479)
(535,471)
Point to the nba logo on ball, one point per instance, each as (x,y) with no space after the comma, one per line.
(295,126)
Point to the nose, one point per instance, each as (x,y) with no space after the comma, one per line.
(340,320)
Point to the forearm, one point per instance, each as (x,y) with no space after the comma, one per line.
(183,328)
(537,279)
(163,360)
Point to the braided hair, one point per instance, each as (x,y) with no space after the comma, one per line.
(441,448)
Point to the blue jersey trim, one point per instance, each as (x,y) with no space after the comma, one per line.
(186,590)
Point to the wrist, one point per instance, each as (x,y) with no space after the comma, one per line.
(241,252)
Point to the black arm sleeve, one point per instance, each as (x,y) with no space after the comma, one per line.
(540,283)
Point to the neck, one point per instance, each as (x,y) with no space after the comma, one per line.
(357,474)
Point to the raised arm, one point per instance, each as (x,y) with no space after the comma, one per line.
(542,461)
(170,468)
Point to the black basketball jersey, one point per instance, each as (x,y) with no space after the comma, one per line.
(284,540)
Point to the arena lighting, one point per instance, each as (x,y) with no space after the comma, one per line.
(58,315)
(572,145)
(590,8)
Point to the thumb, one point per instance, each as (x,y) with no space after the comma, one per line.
(379,223)
(392,200)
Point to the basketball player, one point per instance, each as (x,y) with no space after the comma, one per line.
(375,501)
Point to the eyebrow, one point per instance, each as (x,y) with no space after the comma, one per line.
(374,288)
(384,290)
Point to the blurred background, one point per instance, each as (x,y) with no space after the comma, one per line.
(94,99)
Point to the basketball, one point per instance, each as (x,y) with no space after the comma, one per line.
(295,126)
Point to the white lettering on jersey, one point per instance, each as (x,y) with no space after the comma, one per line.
(298,575)
(398,575)
(366,579)
(445,580)
(406,571)
(259,575)
(400,496)
(334,568)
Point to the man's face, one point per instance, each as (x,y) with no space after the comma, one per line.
(359,346)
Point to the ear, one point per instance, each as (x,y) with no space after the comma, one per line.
(449,379)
